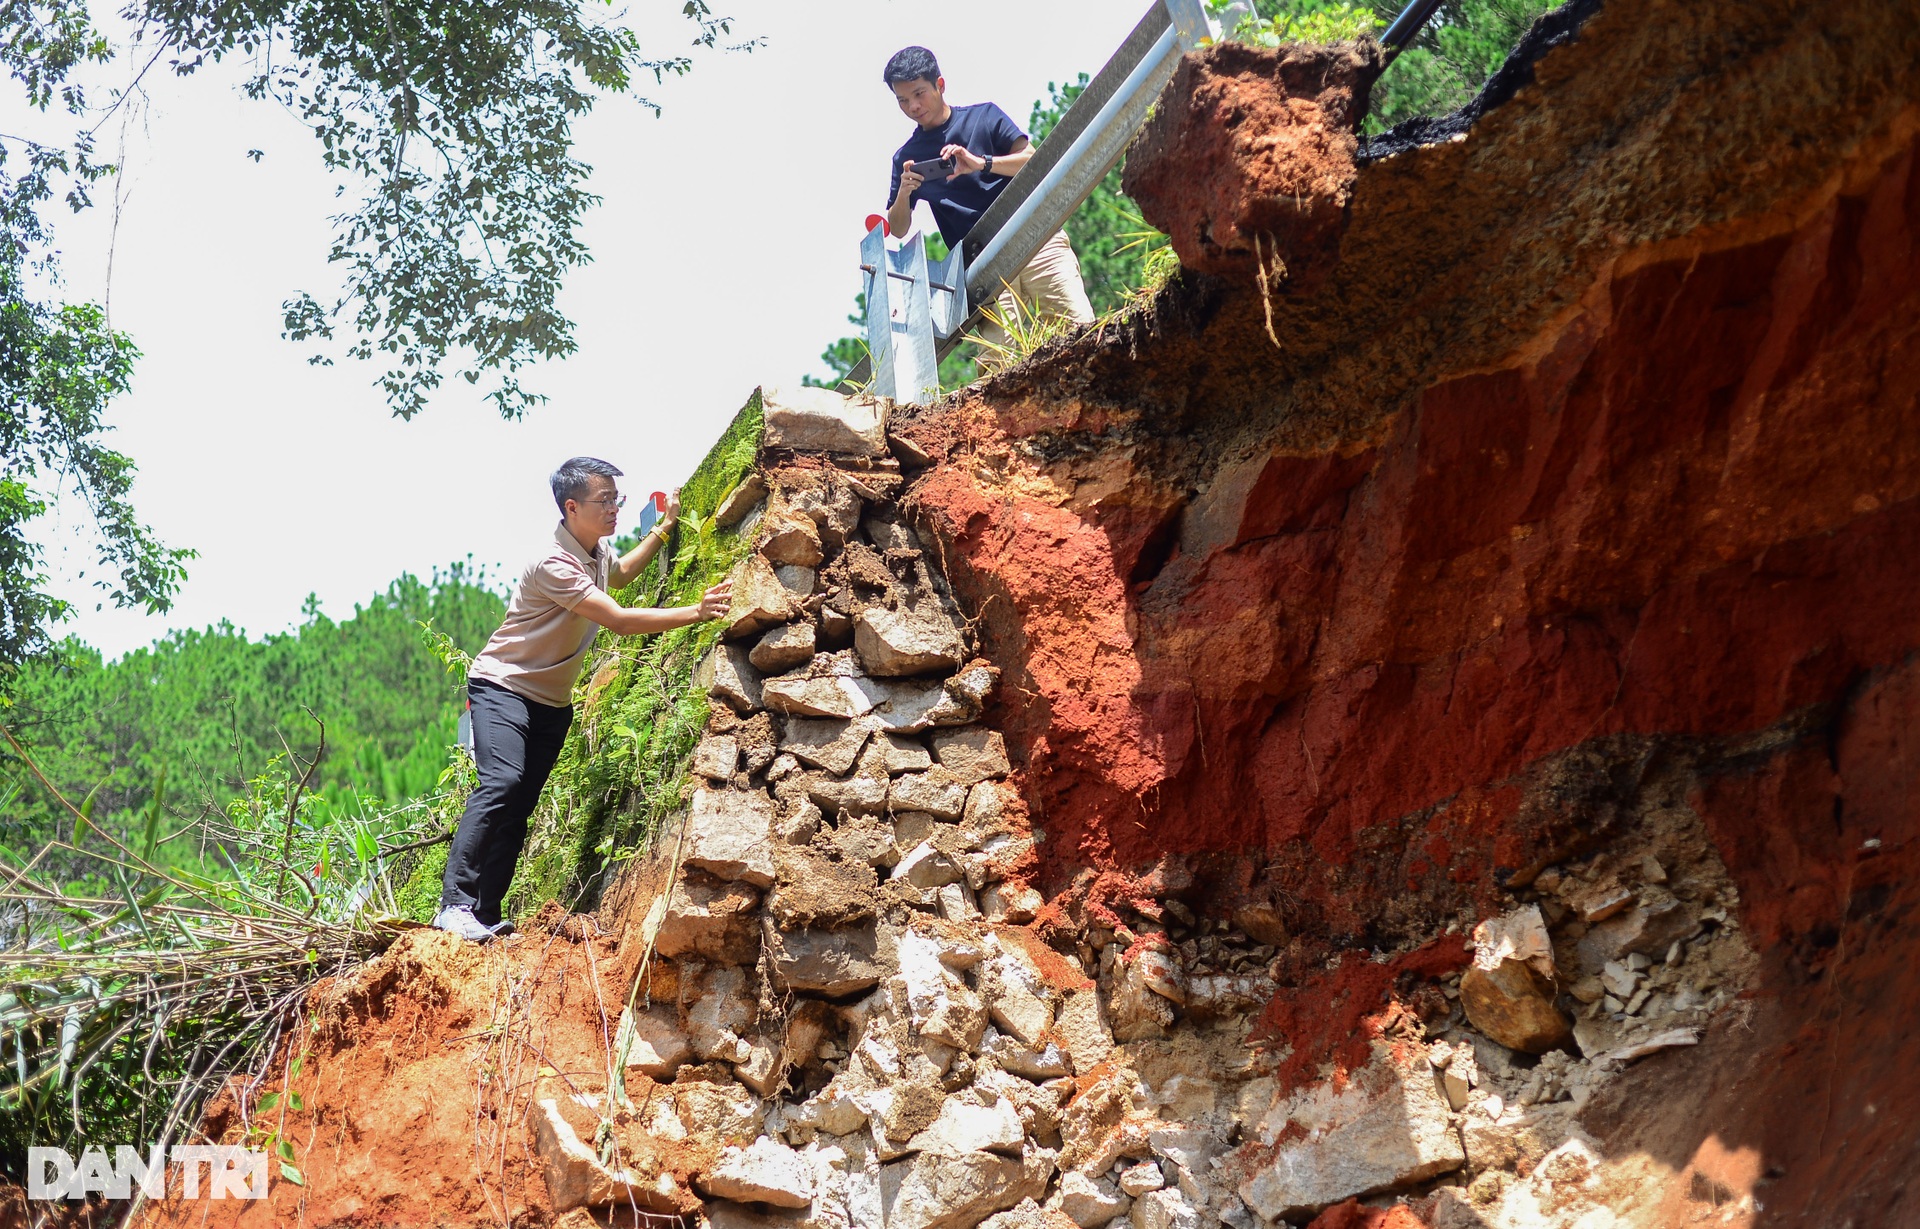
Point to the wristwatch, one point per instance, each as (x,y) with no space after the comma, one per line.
(988,168)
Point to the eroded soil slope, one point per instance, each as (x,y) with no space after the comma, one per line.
(1593,460)
(1416,728)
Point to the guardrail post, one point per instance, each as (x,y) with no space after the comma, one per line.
(916,371)
(947,284)
(873,263)
(900,324)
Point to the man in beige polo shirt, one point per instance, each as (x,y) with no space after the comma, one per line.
(520,687)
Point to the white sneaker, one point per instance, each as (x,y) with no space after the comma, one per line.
(459,920)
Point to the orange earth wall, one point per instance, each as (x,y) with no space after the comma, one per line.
(1683,515)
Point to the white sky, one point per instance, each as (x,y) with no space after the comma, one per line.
(724,253)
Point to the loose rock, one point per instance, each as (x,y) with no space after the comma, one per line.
(973,754)
(893,643)
(783,647)
(762,1172)
(716,757)
(791,538)
(1388,1128)
(759,600)
(714,920)
(1090,1202)
(730,833)
(931,1191)
(937,792)
(728,675)
(831,963)
(904,754)
(575,1177)
(826,742)
(963,1127)
(1511,1004)
(655,1046)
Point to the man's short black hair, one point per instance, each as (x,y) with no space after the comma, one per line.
(570,481)
(912,64)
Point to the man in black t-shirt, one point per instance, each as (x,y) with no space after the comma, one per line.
(987,149)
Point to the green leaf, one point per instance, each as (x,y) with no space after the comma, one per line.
(84,821)
(292,1174)
(266,1102)
(284,1148)
(296,1102)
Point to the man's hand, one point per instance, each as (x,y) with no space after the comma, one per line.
(643,620)
(715,601)
(964,163)
(910,182)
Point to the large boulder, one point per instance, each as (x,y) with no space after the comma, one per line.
(821,420)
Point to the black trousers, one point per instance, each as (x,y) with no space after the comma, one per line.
(515,742)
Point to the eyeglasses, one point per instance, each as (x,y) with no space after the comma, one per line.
(618,501)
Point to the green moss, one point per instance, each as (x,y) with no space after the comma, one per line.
(626,759)
(419,897)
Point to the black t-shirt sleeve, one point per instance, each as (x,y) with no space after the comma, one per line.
(1004,132)
(893,180)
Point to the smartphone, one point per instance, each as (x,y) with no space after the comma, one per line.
(651,510)
(934,168)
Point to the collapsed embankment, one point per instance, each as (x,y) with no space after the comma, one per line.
(1456,680)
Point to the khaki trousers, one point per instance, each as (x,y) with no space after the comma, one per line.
(1049,286)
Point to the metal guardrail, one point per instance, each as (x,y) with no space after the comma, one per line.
(1077,154)
(918,311)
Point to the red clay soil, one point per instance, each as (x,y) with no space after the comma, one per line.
(17,1212)
(415,1078)
(1353,1215)
(1371,655)
(1336,1012)
(1275,132)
